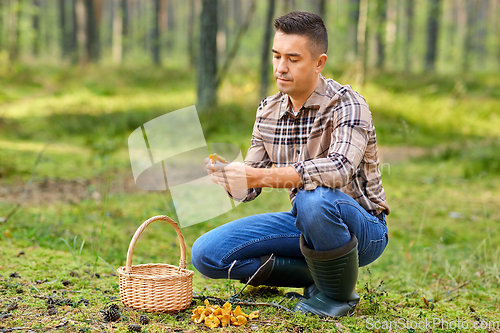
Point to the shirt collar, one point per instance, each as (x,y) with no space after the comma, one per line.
(313,102)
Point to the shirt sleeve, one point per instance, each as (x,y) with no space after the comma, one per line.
(257,157)
(351,123)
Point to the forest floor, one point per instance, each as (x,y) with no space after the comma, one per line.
(69,205)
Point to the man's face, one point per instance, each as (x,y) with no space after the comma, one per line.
(295,69)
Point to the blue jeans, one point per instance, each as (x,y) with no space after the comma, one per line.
(325,216)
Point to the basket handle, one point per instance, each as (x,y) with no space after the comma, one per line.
(182,263)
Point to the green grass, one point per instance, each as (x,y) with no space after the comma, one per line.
(441,261)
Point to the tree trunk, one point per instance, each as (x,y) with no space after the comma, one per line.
(117,32)
(143,24)
(222,38)
(493,35)
(15,30)
(47,32)
(289,6)
(81,35)
(381,32)
(450,36)
(92,31)
(321,4)
(409,34)
(155,36)
(462,33)
(109,12)
(18,27)
(163,26)
(207,64)
(432,34)
(236,44)
(361,42)
(63,28)
(322,9)
(237,16)
(265,51)
(171,24)
(469,42)
(229,23)
(390,34)
(36,28)
(73,39)
(481,24)
(1,26)
(352,30)
(190,33)
(125,27)
(496,36)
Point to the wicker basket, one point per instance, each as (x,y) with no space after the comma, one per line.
(156,287)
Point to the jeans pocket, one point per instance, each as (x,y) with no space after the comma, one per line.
(374,249)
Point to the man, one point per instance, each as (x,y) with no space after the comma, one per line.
(316,138)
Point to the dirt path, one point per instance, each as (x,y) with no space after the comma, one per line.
(50,191)
(398,154)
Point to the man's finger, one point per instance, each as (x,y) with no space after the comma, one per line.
(219,179)
(219,166)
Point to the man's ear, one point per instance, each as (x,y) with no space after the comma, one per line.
(320,62)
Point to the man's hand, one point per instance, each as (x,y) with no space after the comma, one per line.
(240,177)
(232,176)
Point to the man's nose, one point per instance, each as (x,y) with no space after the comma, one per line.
(282,67)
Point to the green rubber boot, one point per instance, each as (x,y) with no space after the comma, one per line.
(282,272)
(335,274)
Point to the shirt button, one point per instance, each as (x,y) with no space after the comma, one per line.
(298,152)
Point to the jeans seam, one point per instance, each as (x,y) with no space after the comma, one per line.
(253,241)
(369,217)
(372,241)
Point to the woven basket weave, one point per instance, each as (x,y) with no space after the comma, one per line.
(156,287)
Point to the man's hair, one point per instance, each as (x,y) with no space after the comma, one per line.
(305,24)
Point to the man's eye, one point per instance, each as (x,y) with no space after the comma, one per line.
(293,60)
(276,57)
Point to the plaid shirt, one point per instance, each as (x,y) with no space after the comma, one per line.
(331,142)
